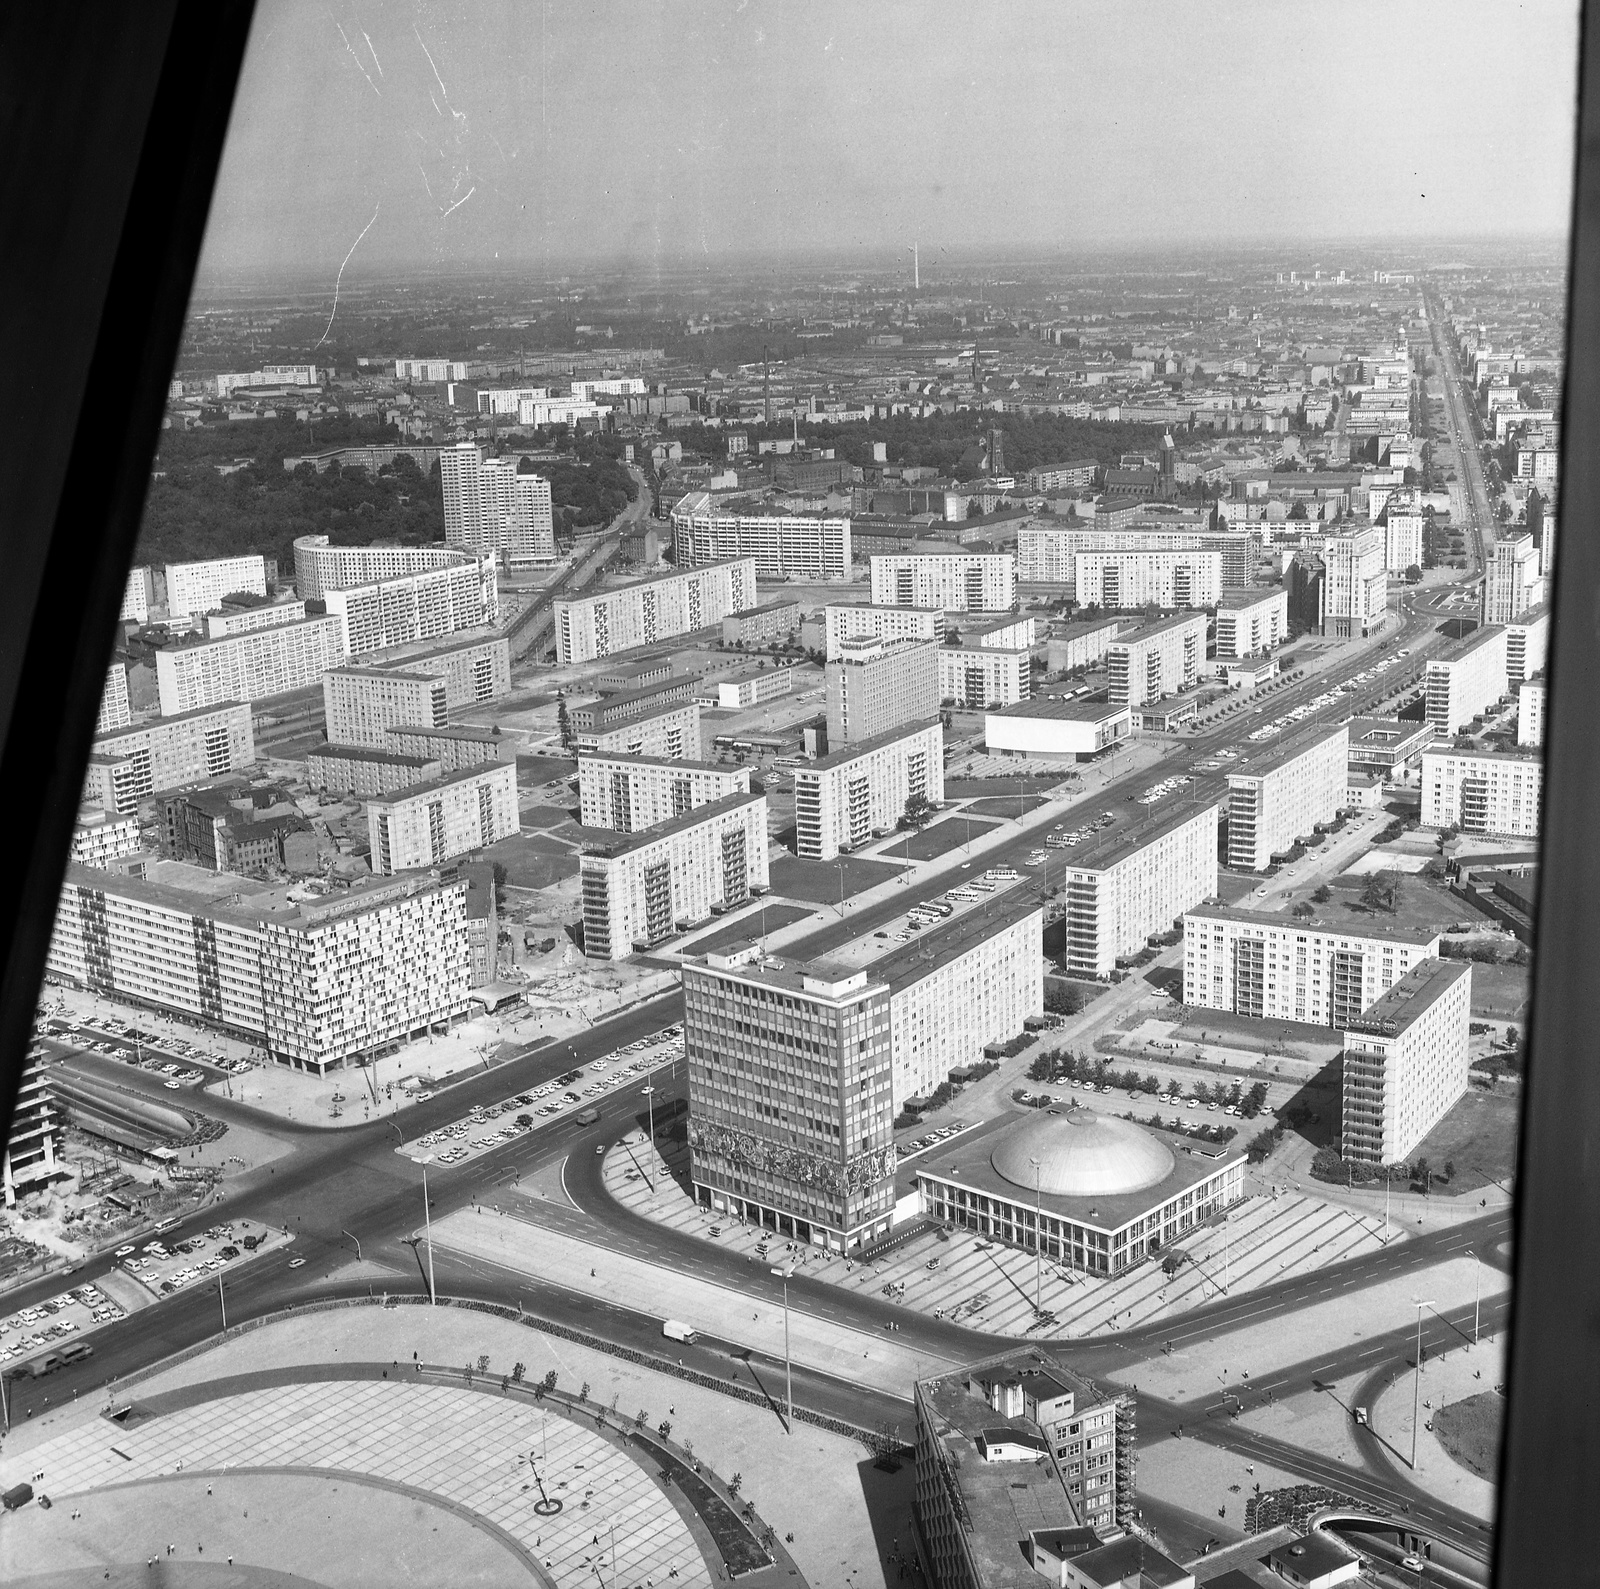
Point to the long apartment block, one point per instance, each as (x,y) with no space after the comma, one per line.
(1048,555)
(869,621)
(115,709)
(635,793)
(950,581)
(1160,660)
(494,505)
(1405,1062)
(361,704)
(1281,793)
(200,586)
(1270,966)
(1149,578)
(643,889)
(609,621)
(145,759)
(320,567)
(1252,621)
(672,732)
(1137,882)
(783,545)
(873,687)
(425,606)
(1482,791)
(846,798)
(449,815)
(246,667)
(1464,678)
(318,983)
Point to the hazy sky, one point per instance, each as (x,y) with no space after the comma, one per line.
(636,132)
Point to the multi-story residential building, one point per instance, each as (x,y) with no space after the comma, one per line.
(1464,678)
(483,922)
(775,623)
(1075,476)
(1021,1467)
(417,607)
(640,890)
(1405,1062)
(1355,583)
(600,625)
(1530,712)
(233,618)
(136,598)
(960,985)
(673,733)
(1283,791)
(475,669)
(1251,622)
(1049,555)
(361,704)
(1512,583)
(455,749)
(447,816)
(1148,578)
(874,687)
(494,505)
(1086,644)
(1403,528)
(102,836)
(784,545)
(373,459)
(791,1114)
(608,711)
(320,567)
(1157,661)
(1261,964)
(1527,642)
(977,676)
(32,1154)
(199,587)
(863,621)
(1482,791)
(950,581)
(845,798)
(115,711)
(1009,632)
(267,375)
(233,827)
(366,772)
(430,372)
(635,793)
(246,667)
(131,764)
(317,982)
(1137,882)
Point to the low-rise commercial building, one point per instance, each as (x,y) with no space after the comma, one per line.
(1405,1062)
(1135,883)
(606,622)
(1270,966)
(978,676)
(635,793)
(1283,792)
(316,982)
(1386,745)
(641,890)
(1482,791)
(1464,678)
(450,815)
(775,623)
(1080,729)
(738,692)
(888,623)
(1159,660)
(610,711)
(131,764)
(1022,1464)
(1250,622)
(874,687)
(784,545)
(847,797)
(950,581)
(245,667)
(672,732)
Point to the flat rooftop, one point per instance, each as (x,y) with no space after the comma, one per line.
(428,786)
(1116,844)
(935,947)
(625,843)
(849,753)
(1410,998)
(681,764)
(1279,752)
(1457,650)
(1081,710)
(1233,600)
(1386,733)
(1162,626)
(1481,753)
(1417,937)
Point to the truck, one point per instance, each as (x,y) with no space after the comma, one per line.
(17,1495)
(588,1117)
(676,1331)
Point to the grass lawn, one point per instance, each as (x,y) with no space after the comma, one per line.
(533,860)
(818,881)
(535,770)
(977,788)
(748,926)
(1479,1136)
(1422,904)
(1501,992)
(549,819)
(1470,1431)
(939,839)
(1004,805)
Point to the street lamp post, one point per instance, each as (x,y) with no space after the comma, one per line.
(788,1373)
(1416,1386)
(427,1225)
(1477,1293)
(1038,1250)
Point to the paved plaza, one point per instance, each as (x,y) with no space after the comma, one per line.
(985,1285)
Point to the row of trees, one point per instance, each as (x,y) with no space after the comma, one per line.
(1058,1065)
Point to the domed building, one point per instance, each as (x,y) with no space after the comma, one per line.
(1104,1191)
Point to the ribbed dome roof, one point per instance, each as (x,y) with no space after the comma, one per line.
(1082,1154)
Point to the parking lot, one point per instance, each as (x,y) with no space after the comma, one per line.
(177,1060)
(478,1130)
(1327,698)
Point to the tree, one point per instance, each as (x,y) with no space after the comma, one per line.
(1305,908)
(1449,1169)
(1422,1171)
(1323,894)
(734,1484)
(918,810)
(1413,574)
(564,724)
